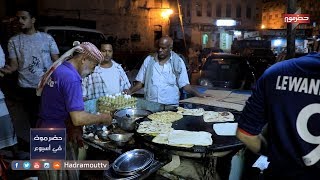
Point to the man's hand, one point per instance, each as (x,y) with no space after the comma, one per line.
(74,133)
(127,91)
(106,118)
(204,95)
(6,70)
(1,74)
(189,89)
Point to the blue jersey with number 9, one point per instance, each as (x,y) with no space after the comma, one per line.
(287,97)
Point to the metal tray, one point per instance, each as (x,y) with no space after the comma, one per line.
(154,166)
(132,161)
(133,173)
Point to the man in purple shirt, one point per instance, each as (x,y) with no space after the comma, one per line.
(62,105)
(61,93)
(61,97)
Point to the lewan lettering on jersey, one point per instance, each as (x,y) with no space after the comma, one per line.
(298,84)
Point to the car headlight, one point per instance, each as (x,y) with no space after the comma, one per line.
(205,82)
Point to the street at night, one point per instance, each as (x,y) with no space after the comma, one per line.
(159,89)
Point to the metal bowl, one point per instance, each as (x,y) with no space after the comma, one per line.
(103,134)
(133,161)
(125,118)
(120,139)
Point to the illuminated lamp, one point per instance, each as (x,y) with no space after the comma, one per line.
(226,22)
(166,13)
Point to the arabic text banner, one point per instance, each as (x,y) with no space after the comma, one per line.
(48,143)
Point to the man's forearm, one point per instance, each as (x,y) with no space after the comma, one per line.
(54,57)
(252,142)
(135,88)
(80,118)
(189,89)
(8,70)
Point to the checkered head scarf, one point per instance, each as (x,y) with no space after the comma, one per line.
(86,48)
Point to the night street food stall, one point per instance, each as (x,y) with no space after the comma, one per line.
(196,131)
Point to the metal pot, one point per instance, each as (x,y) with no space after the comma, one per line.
(125,118)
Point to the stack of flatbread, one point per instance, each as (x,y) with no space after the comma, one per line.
(165,116)
(212,116)
(190,112)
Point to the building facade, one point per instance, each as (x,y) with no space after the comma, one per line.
(199,21)
(273,13)
(132,24)
(274,28)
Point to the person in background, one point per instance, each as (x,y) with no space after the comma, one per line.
(62,105)
(293,127)
(8,136)
(162,74)
(193,55)
(31,53)
(107,79)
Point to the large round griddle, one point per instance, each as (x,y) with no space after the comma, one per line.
(196,123)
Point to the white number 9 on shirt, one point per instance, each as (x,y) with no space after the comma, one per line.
(302,121)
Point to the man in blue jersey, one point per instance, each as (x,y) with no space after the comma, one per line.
(286,98)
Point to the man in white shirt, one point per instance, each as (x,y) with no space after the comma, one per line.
(8,136)
(107,79)
(31,53)
(162,75)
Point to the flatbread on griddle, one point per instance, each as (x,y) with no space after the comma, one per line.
(212,116)
(163,139)
(226,116)
(154,127)
(165,116)
(190,112)
(200,138)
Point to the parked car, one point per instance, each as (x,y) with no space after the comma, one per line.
(207,51)
(260,59)
(282,56)
(223,70)
(66,35)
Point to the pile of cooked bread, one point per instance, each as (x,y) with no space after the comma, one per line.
(113,102)
(160,126)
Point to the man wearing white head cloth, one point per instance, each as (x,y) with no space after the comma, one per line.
(61,92)
(62,104)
